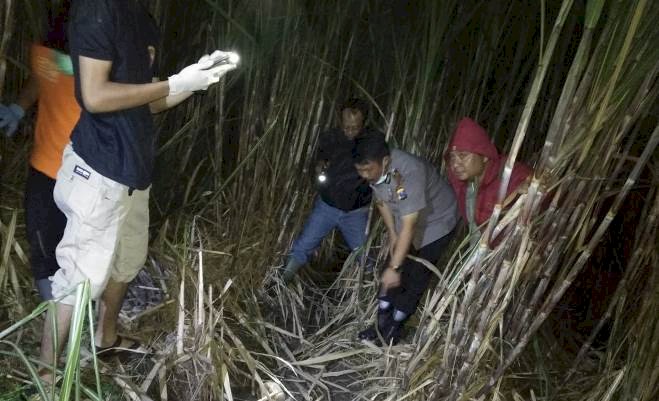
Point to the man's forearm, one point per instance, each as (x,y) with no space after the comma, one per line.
(168,102)
(109,96)
(405,237)
(387,217)
(402,247)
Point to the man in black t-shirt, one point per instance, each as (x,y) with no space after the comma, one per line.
(103,184)
(343,196)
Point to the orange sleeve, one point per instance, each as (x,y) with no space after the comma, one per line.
(58,110)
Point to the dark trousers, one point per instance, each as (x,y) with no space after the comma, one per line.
(415,276)
(44,224)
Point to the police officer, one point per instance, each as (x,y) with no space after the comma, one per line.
(420,212)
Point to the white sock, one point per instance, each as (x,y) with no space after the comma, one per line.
(399,316)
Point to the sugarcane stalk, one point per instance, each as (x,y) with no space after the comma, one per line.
(461,321)
(7,31)
(526,115)
(600,117)
(574,220)
(518,323)
(629,275)
(550,268)
(477,338)
(646,93)
(577,266)
(557,127)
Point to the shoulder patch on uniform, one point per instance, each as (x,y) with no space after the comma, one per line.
(400,189)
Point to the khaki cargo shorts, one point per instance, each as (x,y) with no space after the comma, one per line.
(106,232)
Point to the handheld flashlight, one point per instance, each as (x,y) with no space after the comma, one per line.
(322,177)
(225,58)
(321,169)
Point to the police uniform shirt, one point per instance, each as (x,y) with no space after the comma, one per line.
(414,185)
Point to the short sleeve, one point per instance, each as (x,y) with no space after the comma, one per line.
(414,184)
(92,30)
(379,193)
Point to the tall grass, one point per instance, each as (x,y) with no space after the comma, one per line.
(569,88)
(70,376)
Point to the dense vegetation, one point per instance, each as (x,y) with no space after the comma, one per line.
(570,87)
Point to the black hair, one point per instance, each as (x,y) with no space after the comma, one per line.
(57,21)
(355,103)
(370,147)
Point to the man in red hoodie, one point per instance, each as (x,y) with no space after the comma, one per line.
(474,171)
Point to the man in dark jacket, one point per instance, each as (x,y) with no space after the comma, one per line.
(343,197)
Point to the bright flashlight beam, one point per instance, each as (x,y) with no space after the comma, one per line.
(225,58)
(234,58)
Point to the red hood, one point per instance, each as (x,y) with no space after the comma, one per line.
(471,137)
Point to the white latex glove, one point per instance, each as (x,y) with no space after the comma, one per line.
(199,76)
(10,117)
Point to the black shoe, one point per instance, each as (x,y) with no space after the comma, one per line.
(391,335)
(369,334)
(292,267)
(389,329)
(385,320)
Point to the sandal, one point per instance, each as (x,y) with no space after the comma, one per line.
(116,349)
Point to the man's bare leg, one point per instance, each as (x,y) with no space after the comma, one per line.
(113,297)
(63,314)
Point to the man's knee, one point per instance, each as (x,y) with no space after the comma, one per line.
(354,233)
(129,263)
(65,287)
(125,276)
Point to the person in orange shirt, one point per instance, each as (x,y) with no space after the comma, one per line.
(50,86)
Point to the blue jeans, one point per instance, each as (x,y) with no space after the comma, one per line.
(323,219)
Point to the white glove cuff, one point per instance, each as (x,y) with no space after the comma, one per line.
(175,85)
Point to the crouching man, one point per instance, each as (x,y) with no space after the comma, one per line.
(474,171)
(420,212)
(343,196)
